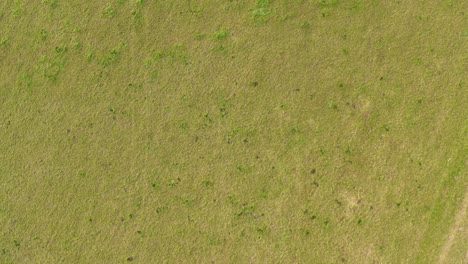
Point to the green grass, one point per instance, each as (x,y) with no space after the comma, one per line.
(261,11)
(232,131)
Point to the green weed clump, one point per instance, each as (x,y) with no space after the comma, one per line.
(109,11)
(113,56)
(221,34)
(4,41)
(177,53)
(53,4)
(24,80)
(17,9)
(261,11)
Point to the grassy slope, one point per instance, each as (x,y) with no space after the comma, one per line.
(327,132)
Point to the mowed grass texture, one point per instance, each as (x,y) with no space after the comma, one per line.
(235,131)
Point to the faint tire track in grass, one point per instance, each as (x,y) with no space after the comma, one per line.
(445,208)
(461,214)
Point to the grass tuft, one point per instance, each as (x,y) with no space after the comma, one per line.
(221,34)
(109,11)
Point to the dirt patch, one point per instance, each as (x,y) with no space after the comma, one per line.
(459,217)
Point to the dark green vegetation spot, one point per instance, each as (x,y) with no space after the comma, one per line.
(61,49)
(17,243)
(246,211)
(360,221)
(208,183)
(221,34)
(155,185)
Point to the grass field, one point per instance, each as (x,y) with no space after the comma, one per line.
(233,131)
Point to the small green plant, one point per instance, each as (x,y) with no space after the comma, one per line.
(4,41)
(187,201)
(60,50)
(260,14)
(24,80)
(42,59)
(82,174)
(261,11)
(43,34)
(345,51)
(360,221)
(162,209)
(363,88)
(109,11)
(322,151)
(89,56)
(220,48)
(246,210)
(177,53)
(77,29)
(50,3)
(184,125)
(50,68)
(232,200)
(17,243)
(113,55)
(208,183)
(295,130)
(155,185)
(465,33)
(200,35)
(174,182)
(332,105)
(195,9)
(154,57)
(224,105)
(417,61)
(139,3)
(221,34)
(327,223)
(325,12)
(135,86)
(137,16)
(75,43)
(223,112)
(154,75)
(357,5)
(262,231)
(244,169)
(305,231)
(17,8)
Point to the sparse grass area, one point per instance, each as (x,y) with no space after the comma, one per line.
(321,131)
